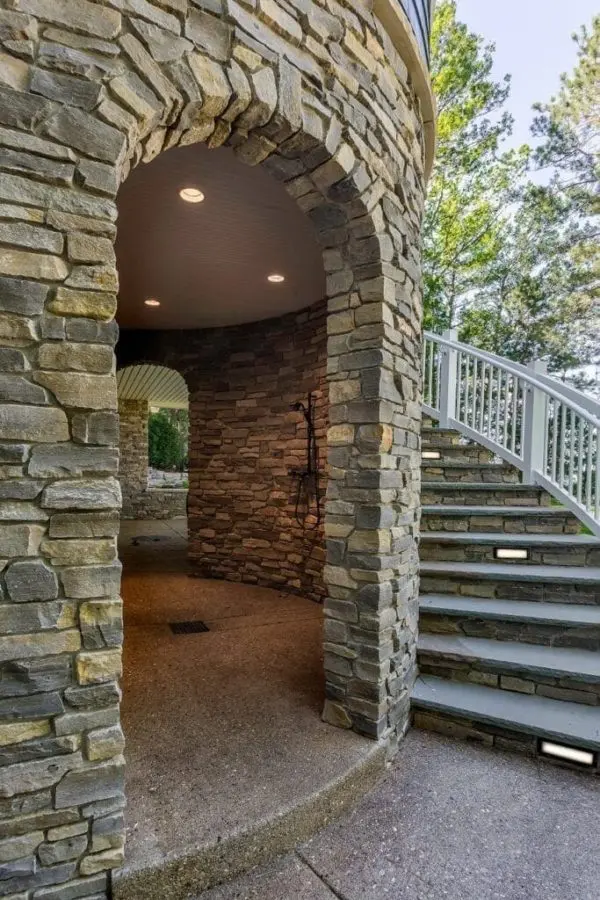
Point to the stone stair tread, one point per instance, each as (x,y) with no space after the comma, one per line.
(566,614)
(511,540)
(511,572)
(464,464)
(437,509)
(516,487)
(556,662)
(559,720)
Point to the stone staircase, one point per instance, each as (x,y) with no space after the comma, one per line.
(509,647)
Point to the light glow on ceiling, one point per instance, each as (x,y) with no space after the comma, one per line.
(191,195)
(152,302)
(275,278)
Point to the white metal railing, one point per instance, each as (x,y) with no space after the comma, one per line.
(551,432)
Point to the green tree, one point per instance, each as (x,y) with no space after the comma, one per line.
(167,444)
(511,261)
(473,183)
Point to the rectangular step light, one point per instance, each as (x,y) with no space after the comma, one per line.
(431,454)
(511,553)
(569,754)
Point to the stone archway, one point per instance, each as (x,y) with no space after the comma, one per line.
(341,128)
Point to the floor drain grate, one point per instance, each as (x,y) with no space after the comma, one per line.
(196,627)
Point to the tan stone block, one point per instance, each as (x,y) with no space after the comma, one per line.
(335,714)
(376,438)
(89,304)
(342,391)
(96,666)
(16,732)
(213,84)
(81,390)
(340,434)
(14,72)
(29,646)
(89,248)
(32,265)
(280,20)
(93,358)
(375,541)
(104,743)
(72,552)
(16,330)
(99,862)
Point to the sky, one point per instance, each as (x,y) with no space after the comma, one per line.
(533,44)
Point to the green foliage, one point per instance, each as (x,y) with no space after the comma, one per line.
(511,262)
(167,439)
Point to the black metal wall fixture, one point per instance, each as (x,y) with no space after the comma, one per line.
(307,489)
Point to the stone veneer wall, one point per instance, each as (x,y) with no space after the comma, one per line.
(140,501)
(316,92)
(244,439)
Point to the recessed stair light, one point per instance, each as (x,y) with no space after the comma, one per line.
(570,754)
(511,553)
(152,302)
(275,278)
(191,195)
(431,454)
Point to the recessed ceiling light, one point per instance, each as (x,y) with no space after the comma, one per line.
(152,302)
(276,279)
(191,195)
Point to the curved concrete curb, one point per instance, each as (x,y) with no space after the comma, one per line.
(179,878)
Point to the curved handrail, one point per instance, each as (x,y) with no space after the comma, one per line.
(547,429)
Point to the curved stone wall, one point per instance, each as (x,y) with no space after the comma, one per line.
(318,94)
(246,521)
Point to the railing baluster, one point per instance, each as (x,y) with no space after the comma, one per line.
(549,430)
(580,460)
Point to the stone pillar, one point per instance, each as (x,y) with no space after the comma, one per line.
(133,447)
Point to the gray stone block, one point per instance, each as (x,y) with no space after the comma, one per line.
(100,782)
(68,460)
(28,580)
(53,852)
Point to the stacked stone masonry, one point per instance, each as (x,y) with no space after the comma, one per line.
(316,92)
(139,500)
(246,520)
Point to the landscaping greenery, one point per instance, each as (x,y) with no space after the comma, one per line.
(167,439)
(511,253)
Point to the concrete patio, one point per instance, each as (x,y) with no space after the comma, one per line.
(450,821)
(228,760)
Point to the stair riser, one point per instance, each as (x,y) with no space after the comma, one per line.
(507,678)
(484,734)
(582,637)
(457,453)
(497,475)
(549,592)
(484,553)
(541,524)
(457,496)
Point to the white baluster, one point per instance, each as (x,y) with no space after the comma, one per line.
(448,371)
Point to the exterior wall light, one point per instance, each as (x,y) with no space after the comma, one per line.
(191,195)
(275,278)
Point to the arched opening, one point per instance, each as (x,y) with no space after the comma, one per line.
(229,632)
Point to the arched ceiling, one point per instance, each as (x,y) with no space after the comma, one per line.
(158,385)
(207,263)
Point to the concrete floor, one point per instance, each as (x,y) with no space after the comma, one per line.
(223,728)
(449,822)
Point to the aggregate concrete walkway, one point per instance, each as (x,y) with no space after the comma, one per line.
(223,729)
(449,822)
